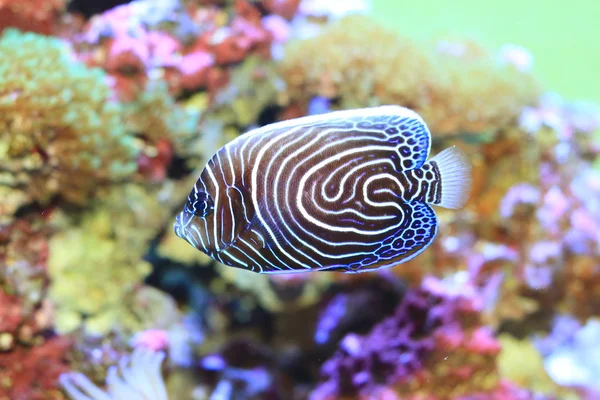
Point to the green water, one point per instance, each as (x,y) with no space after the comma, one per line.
(564,36)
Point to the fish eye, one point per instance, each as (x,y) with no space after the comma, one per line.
(199,203)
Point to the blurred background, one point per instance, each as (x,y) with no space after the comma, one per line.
(561,35)
(109,111)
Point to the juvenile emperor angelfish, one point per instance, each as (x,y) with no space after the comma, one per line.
(345,191)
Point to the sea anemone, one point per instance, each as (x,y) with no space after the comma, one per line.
(140,378)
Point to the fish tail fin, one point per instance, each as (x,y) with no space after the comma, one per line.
(454,178)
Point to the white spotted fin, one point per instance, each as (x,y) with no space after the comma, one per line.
(455,174)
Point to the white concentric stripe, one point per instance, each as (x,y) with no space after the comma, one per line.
(347,176)
(394,204)
(191,238)
(344,166)
(414,194)
(253,261)
(232,216)
(315,168)
(221,225)
(353,194)
(199,237)
(281,168)
(216,200)
(258,253)
(385,190)
(243,202)
(244,154)
(255,201)
(231,168)
(226,185)
(257,233)
(359,214)
(204,221)
(237,260)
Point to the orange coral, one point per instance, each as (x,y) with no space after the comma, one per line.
(364,64)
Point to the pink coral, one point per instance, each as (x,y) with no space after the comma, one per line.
(194,51)
(153,339)
(194,68)
(564,118)
(517,56)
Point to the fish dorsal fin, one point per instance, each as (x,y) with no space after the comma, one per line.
(413,142)
(403,128)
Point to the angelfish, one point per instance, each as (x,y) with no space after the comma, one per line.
(343,191)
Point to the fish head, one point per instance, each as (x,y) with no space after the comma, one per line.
(213,216)
(195,222)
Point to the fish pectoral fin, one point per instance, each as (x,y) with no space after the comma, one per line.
(269,236)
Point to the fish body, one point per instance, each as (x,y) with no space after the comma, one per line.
(343,191)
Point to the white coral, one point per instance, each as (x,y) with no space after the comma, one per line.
(138,378)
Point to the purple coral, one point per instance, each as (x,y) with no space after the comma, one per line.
(398,348)
(331,316)
(522,193)
(566,119)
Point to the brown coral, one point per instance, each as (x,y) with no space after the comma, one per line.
(364,64)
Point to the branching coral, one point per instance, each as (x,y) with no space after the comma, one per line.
(62,135)
(192,48)
(434,344)
(365,64)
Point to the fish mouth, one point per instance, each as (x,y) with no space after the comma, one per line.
(181,223)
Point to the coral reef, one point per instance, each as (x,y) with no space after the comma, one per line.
(192,48)
(434,339)
(117,257)
(456,85)
(107,121)
(62,136)
(32,373)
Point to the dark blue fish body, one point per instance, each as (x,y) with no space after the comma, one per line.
(348,191)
